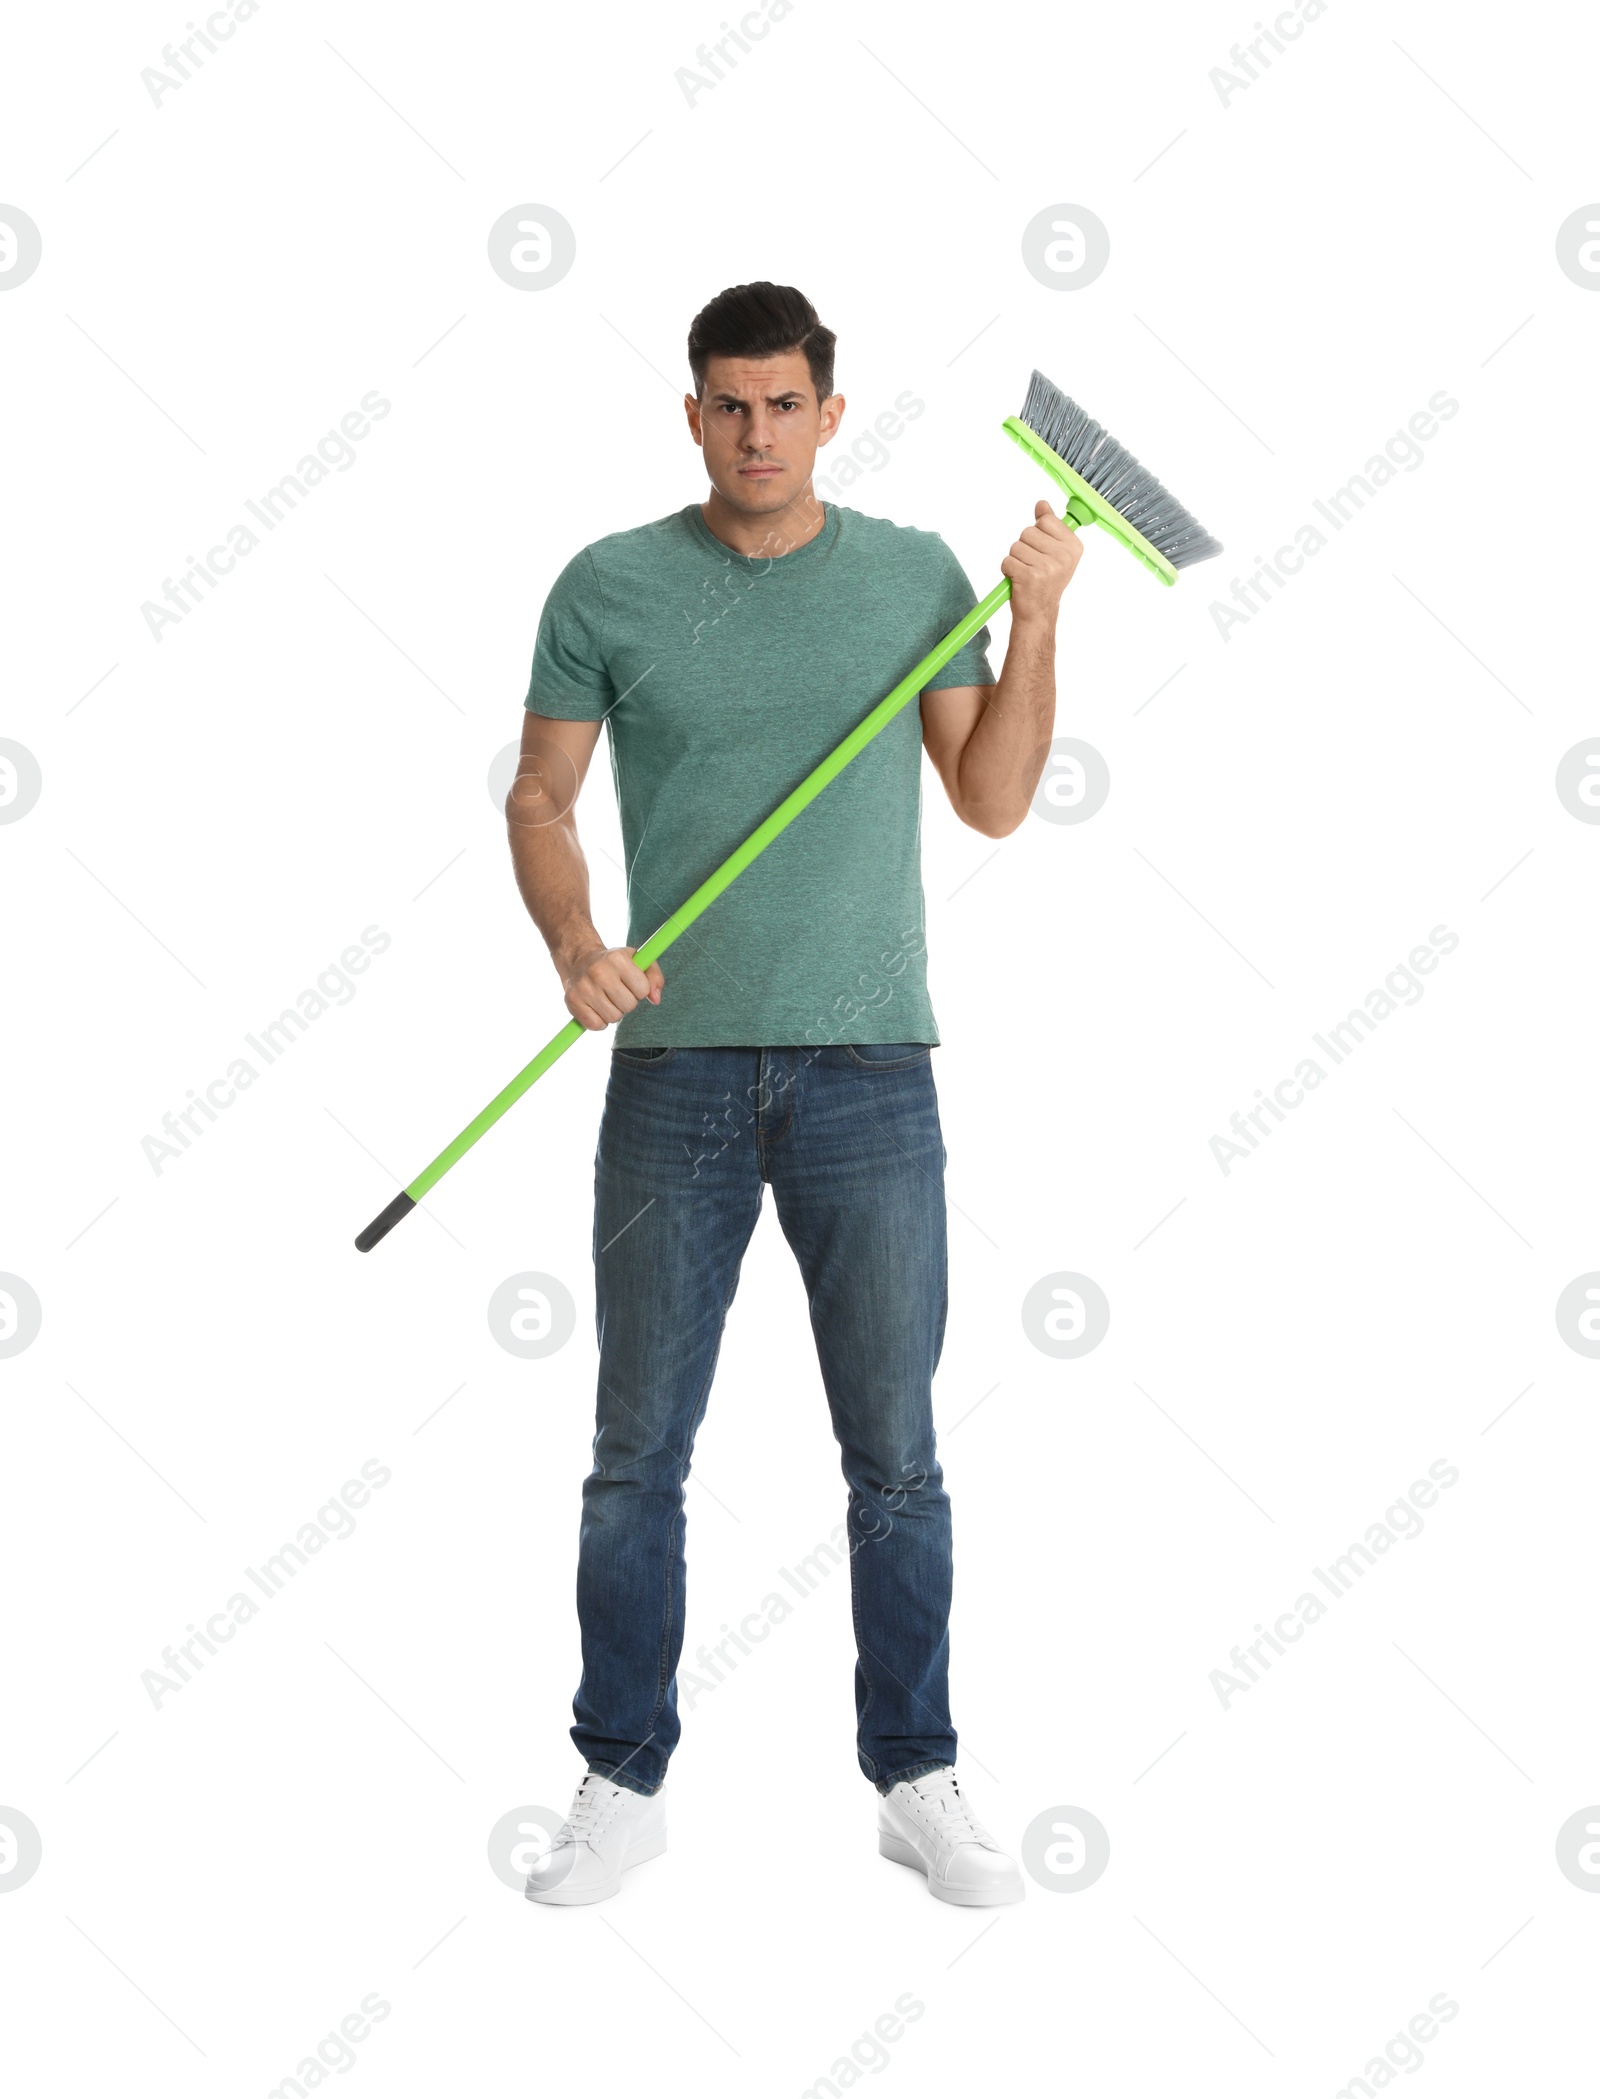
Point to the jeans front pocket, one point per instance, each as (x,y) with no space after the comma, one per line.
(887,1056)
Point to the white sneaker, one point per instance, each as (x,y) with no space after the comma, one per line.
(926,1823)
(608,1830)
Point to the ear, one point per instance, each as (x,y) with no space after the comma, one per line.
(691,409)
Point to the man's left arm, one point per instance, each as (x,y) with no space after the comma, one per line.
(988,742)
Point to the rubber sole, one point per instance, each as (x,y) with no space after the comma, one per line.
(904,1854)
(565,1895)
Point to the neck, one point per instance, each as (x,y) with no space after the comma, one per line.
(773,532)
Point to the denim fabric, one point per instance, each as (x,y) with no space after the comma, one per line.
(848,1137)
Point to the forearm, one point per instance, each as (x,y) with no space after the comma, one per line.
(601,984)
(1004,756)
(553,879)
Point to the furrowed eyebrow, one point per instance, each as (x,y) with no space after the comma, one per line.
(772,400)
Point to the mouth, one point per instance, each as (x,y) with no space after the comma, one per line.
(758,473)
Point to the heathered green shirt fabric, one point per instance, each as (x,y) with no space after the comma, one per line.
(723,679)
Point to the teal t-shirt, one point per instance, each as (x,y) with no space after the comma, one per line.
(723,678)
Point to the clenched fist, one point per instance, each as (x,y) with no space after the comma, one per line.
(1039,567)
(604,984)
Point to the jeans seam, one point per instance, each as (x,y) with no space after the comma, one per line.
(674,1529)
(861,1664)
(766,1136)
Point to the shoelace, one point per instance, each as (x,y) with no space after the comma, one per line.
(948,1810)
(591,1810)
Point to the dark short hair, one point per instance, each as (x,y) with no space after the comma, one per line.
(761,320)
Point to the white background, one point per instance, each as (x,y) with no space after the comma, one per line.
(1291,1343)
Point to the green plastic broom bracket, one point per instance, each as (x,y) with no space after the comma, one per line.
(1084,505)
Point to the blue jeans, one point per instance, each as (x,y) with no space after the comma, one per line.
(849,1139)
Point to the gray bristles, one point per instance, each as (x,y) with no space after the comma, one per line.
(1113,472)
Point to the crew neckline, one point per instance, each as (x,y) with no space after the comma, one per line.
(768,564)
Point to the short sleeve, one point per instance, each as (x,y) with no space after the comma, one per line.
(956,597)
(570,682)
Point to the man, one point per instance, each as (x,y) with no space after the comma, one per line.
(729,646)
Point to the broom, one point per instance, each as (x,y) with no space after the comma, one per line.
(1104,485)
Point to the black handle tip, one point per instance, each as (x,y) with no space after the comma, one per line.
(384,1222)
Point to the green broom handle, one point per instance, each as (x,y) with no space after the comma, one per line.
(710,889)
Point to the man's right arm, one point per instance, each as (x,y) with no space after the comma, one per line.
(601,984)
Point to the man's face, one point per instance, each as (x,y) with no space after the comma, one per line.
(759,423)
